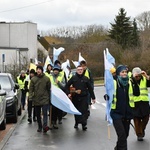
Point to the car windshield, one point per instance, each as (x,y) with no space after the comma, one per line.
(5,82)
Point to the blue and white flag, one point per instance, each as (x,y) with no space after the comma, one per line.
(60,100)
(109,85)
(109,57)
(56,53)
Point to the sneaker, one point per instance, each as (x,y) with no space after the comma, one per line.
(140,138)
(39,130)
(84,128)
(55,126)
(45,129)
(29,120)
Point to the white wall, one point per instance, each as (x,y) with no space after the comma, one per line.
(19,35)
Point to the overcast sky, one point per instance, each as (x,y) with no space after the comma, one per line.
(57,13)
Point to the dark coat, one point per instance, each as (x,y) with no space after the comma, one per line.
(39,90)
(123,109)
(80,101)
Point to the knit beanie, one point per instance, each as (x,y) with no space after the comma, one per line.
(39,67)
(120,68)
(32,71)
(136,70)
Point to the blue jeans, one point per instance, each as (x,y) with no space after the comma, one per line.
(44,109)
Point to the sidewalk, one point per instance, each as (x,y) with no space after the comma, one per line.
(10,127)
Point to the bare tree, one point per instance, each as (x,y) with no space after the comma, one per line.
(143,20)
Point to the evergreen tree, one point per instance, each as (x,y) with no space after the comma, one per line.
(135,40)
(122,29)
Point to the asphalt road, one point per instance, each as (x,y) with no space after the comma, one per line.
(25,136)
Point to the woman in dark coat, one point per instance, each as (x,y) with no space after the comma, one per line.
(80,95)
(121,109)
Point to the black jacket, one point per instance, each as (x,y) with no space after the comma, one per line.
(80,82)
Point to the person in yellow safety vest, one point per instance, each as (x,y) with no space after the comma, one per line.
(57,79)
(57,62)
(49,70)
(30,104)
(21,82)
(122,107)
(140,81)
(88,74)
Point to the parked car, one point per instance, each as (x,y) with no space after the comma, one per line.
(13,96)
(2,110)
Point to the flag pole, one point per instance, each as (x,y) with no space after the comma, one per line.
(108,129)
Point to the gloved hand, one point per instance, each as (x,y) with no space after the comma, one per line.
(106,97)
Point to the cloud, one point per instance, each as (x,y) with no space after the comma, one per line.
(57,13)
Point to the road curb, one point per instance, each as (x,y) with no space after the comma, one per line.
(11,130)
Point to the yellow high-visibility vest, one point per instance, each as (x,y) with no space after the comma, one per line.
(131,101)
(59,78)
(20,82)
(143,91)
(87,73)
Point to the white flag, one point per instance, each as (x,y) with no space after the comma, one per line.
(56,53)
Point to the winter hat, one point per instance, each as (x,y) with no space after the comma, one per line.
(56,67)
(136,70)
(39,67)
(120,68)
(22,72)
(32,71)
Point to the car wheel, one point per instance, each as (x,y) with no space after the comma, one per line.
(15,117)
(3,124)
(19,111)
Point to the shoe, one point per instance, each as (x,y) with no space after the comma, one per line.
(84,128)
(29,120)
(46,129)
(76,126)
(140,138)
(55,126)
(39,130)
(34,119)
(60,121)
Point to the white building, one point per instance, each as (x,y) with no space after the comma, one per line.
(18,42)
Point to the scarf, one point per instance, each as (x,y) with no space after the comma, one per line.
(123,81)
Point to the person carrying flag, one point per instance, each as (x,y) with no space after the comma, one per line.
(122,107)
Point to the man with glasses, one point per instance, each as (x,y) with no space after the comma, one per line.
(140,81)
(82,86)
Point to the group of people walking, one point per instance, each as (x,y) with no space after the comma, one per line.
(38,93)
(130,101)
(130,98)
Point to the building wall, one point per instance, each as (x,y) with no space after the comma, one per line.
(19,35)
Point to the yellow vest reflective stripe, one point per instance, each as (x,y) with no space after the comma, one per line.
(87,73)
(143,91)
(21,84)
(131,100)
(59,78)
